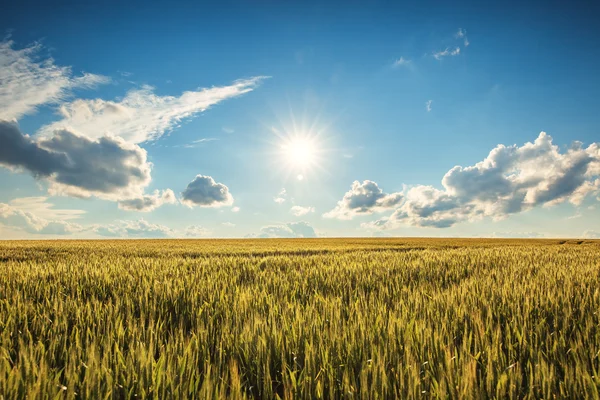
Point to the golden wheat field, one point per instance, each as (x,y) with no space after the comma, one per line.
(300,318)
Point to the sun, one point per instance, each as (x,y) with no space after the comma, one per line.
(300,152)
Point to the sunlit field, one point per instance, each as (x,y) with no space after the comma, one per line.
(355,318)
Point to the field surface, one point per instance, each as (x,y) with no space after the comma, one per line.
(324,318)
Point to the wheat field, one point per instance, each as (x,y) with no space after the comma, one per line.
(301,318)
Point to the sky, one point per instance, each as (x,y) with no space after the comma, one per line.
(299,119)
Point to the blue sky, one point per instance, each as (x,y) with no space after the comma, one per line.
(197,120)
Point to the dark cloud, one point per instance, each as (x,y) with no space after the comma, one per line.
(203,191)
(108,167)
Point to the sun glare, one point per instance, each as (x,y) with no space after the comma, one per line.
(300,152)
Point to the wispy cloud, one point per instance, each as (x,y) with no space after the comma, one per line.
(196,143)
(428,105)
(446,52)
(142,115)
(299,210)
(28,81)
(402,62)
(281,197)
(35,215)
(462,34)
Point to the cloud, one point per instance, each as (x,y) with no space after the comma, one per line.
(41,208)
(289,230)
(281,197)
(402,62)
(148,202)
(235,209)
(446,52)
(428,105)
(108,167)
(299,210)
(589,234)
(462,34)
(203,191)
(196,231)
(364,198)
(510,180)
(24,215)
(519,235)
(133,229)
(228,224)
(28,82)
(196,143)
(142,115)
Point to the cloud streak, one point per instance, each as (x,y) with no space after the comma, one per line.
(29,82)
(142,115)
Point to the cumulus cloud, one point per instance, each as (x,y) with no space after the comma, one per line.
(108,167)
(510,180)
(141,115)
(133,229)
(364,198)
(203,191)
(26,81)
(148,202)
(299,210)
(28,214)
(289,230)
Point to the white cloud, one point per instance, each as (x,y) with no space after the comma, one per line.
(364,198)
(591,234)
(26,81)
(148,202)
(41,208)
(281,197)
(133,229)
(510,180)
(462,34)
(203,191)
(402,62)
(108,167)
(228,224)
(235,209)
(289,230)
(142,115)
(517,235)
(446,52)
(428,105)
(34,215)
(299,210)
(196,231)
